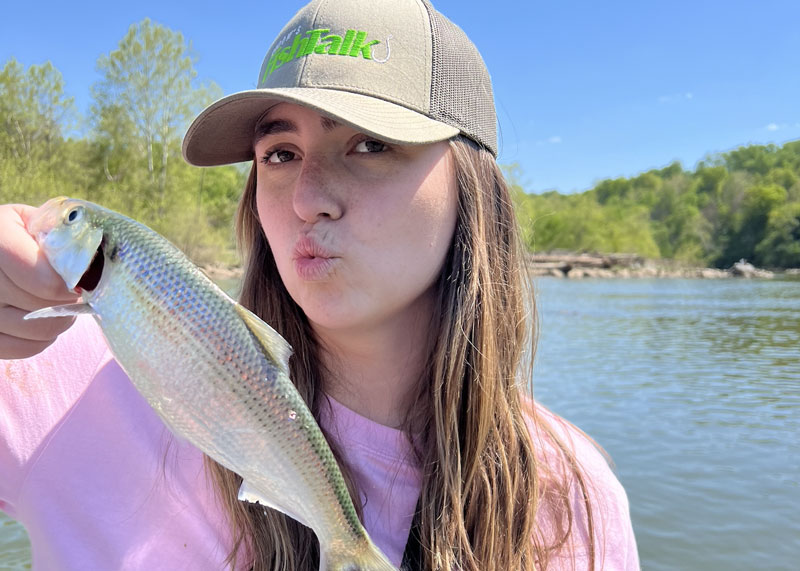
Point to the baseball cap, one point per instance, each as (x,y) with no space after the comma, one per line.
(395,69)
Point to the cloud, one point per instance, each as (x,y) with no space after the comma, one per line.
(781,126)
(676,97)
(554,140)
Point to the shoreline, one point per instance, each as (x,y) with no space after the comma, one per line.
(580,266)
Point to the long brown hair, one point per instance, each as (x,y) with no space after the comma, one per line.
(483,479)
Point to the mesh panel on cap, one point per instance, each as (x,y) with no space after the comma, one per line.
(461,89)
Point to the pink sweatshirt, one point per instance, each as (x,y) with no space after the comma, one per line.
(100,483)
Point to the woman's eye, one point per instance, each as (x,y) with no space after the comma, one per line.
(370,146)
(279,156)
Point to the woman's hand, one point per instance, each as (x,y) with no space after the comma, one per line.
(27,283)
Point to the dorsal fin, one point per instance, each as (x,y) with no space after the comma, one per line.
(275,346)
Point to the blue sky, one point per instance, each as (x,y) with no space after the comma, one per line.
(585,90)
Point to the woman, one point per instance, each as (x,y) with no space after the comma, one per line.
(380,242)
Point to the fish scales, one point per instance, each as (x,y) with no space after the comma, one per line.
(210,376)
(177,328)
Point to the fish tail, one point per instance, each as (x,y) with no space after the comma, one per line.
(368,558)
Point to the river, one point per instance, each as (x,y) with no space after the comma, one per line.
(693,388)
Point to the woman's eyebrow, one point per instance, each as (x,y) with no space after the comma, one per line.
(272,128)
(328,124)
(286,126)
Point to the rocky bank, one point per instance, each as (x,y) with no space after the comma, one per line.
(578,266)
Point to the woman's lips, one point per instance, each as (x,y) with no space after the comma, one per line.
(314,269)
(312,261)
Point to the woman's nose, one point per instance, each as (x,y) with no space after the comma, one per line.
(315,192)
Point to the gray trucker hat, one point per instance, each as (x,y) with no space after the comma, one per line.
(395,69)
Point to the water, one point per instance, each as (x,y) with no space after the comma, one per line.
(693,387)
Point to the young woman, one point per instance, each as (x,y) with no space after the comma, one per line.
(380,241)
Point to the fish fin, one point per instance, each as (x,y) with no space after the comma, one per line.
(61,311)
(365,557)
(275,345)
(248,493)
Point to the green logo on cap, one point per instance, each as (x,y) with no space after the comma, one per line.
(353,44)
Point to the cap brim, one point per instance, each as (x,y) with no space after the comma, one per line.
(223,132)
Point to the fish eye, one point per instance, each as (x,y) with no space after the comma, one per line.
(74,215)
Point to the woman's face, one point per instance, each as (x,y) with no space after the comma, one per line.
(359,229)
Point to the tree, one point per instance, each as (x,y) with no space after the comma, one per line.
(34,113)
(750,223)
(612,188)
(145,99)
(755,159)
(781,244)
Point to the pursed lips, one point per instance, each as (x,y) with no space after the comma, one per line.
(312,261)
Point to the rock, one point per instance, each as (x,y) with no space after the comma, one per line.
(216,272)
(712,273)
(744,269)
(539,272)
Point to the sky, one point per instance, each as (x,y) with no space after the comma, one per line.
(584,90)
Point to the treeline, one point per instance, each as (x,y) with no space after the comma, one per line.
(126,154)
(740,204)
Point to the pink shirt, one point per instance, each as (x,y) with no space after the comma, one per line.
(100,483)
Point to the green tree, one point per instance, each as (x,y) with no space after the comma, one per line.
(609,189)
(781,244)
(147,95)
(34,112)
(782,176)
(755,159)
(750,223)
(142,105)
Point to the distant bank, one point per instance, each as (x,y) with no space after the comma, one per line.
(578,266)
(582,265)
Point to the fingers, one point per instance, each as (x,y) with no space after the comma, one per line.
(23,262)
(13,295)
(27,283)
(14,324)
(16,348)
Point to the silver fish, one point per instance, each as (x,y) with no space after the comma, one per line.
(213,371)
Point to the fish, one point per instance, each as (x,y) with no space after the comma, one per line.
(216,374)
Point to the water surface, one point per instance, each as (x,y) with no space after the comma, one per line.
(693,387)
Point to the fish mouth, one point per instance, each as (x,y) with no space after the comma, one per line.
(91,277)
